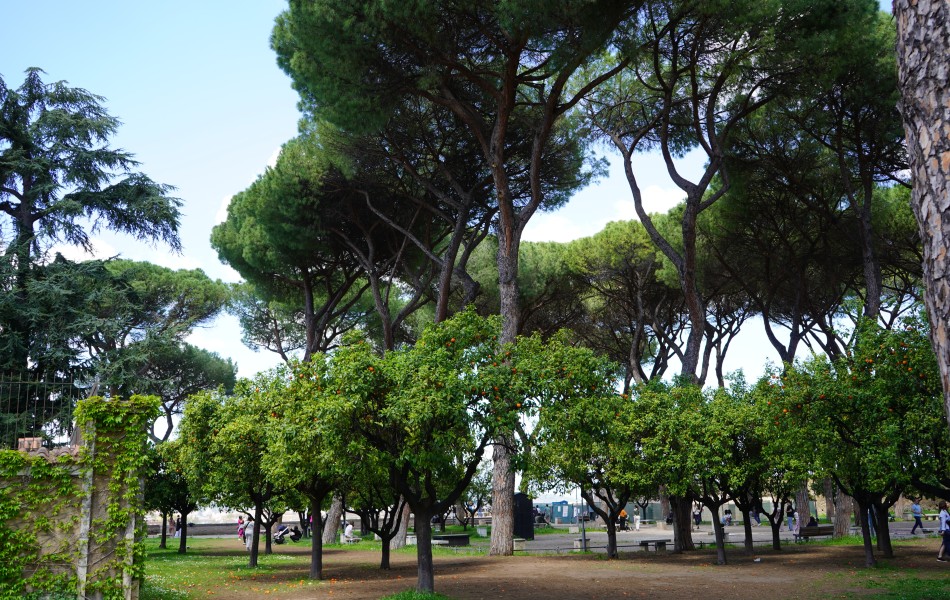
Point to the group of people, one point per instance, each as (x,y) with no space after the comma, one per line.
(175,527)
(623,519)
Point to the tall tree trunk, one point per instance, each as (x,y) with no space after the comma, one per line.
(802,503)
(400,540)
(682,524)
(503,501)
(923,58)
(828,488)
(333,520)
(844,507)
(665,503)
(503,475)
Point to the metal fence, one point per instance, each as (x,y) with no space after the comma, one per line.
(41,409)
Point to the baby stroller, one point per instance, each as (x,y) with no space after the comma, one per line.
(284,533)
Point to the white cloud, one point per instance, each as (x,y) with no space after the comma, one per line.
(589,211)
(656,199)
(223,336)
(554,227)
(100,250)
(222,214)
(272,161)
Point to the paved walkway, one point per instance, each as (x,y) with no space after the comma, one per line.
(629,541)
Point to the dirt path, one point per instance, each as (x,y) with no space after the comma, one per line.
(807,571)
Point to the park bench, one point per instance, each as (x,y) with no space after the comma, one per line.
(815,531)
(452,539)
(657,544)
(929,516)
(349,540)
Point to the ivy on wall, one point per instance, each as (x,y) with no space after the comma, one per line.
(44,500)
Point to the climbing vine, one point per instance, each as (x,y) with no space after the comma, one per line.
(44,499)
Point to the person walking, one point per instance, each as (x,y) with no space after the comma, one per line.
(790,517)
(697,515)
(944,518)
(636,518)
(917,513)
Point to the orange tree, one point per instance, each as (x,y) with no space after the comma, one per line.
(579,439)
(874,417)
(773,454)
(430,409)
(225,438)
(299,453)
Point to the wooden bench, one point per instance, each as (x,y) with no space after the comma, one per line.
(657,544)
(452,539)
(815,531)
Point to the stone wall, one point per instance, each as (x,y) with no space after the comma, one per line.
(71,519)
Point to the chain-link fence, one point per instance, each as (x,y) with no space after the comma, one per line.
(38,409)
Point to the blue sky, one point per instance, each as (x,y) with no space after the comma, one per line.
(204,107)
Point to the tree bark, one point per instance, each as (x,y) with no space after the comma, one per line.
(316,540)
(503,475)
(503,502)
(426,582)
(256,534)
(883,527)
(866,535)
(844,507)
(923,59)
(163,544)
(183,539)
(720,538)
(682,524)
(828,488)
(333,520)
(400,540)
(747,531)
(802,503)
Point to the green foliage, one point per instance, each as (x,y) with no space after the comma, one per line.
(875,416)
(40,495)
(57,174)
